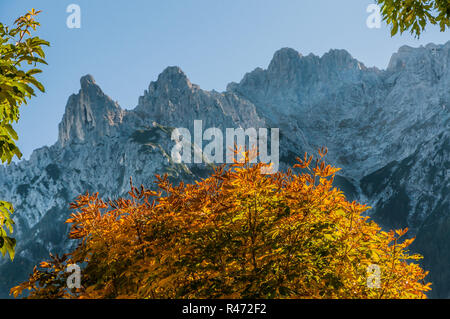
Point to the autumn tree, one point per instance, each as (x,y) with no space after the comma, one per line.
(17,47)
(236,234)
(415,15)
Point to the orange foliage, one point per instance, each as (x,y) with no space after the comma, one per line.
(237,234)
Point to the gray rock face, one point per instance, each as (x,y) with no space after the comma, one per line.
(173,100)
(388,130)
(90,114)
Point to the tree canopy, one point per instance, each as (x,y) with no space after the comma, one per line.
(17,46)
(236,234)
(415,15)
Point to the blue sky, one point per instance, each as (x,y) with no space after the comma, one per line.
(126,44)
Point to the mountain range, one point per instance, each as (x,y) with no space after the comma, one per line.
(389,131)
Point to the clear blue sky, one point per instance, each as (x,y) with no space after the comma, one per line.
(126,44)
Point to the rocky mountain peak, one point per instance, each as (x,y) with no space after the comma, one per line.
(172,78)
(90,113)
(86,81)
(284,60)
(336,58)
(428,63)
(171,86)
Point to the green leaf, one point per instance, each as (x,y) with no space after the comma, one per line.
(11,132)
(394,29)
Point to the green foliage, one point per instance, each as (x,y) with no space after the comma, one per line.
(415,15)
(7,244)
(17,86)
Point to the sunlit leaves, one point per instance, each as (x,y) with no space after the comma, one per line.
(7,244)
(16,82)
(414,15)
(236,234)
(16,88)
